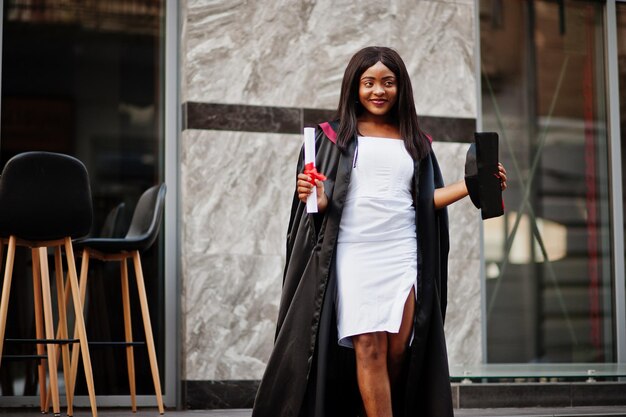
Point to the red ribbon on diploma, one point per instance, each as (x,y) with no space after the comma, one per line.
(311,171)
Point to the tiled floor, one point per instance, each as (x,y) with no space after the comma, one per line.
(617,411)
(544,412)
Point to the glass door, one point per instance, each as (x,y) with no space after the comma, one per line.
(86,78)
(620,19)
(548,260)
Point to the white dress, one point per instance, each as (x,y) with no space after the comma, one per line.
(376,259)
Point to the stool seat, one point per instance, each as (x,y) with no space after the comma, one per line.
(144,226)
(109,245)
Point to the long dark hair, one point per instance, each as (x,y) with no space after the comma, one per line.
(403,113)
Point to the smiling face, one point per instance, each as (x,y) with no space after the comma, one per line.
(378,89)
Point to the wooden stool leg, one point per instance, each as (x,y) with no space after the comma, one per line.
(80,324)
(6,290)
(84,268)
(1,253)
(68,389)
(42,259)
(128,332)
(62,328)
(44,402)
(143,300)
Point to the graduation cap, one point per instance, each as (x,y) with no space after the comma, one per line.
(481,175)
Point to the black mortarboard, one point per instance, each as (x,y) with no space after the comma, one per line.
(481,175)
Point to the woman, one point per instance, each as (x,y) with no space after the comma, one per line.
(360,326)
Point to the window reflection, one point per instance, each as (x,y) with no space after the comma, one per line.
(548,259)
(553,239)
(125,16)
(85,78)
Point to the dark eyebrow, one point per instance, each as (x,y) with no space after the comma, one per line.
(384,78)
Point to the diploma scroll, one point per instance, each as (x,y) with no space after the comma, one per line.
(309,158)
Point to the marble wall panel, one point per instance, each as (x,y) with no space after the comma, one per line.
(436,41)
(235,201)
(466,2)
(464,218)
(463,320)
(464,317)
(230,309)
(294,53)
(274,119)
(236,191)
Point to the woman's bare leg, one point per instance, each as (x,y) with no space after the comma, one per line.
(380,359)
(372,374)
(398,343)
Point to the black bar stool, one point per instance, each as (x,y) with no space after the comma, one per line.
(143,231)
(112,227)
(45,202)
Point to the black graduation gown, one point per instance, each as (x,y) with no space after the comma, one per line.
(308,373)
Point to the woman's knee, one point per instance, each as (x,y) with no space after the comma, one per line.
(370,347)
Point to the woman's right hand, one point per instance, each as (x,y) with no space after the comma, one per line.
(305,188)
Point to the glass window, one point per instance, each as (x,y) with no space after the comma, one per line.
(548,260)
(621,57)
(86,79)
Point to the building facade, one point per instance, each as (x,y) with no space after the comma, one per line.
(212,96)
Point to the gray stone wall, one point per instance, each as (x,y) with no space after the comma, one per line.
(236,186)
(293,53)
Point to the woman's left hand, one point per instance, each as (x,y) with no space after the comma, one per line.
(502,175)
